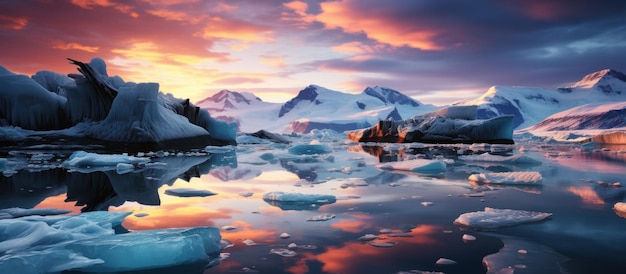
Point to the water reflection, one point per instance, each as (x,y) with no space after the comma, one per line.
(101,188)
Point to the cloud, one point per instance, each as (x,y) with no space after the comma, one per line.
(74,46)
(237,80)
(12,22)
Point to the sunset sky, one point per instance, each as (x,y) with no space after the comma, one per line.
(437,51)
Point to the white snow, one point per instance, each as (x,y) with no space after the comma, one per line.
(509,178)
(492,218)
(88,159)
(415,165)
(283,252)
(284,235)
(467,237)
(189,192)
(368,237)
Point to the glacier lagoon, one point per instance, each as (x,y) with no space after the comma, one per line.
(343,210)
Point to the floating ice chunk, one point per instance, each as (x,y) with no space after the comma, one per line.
(368,237)
(351,182)
(467,237)
(518,255)
(297,201)
(292,245)
(248,242)
(141,215)
(382,244)
(228,227)
(508,178)
(310,149)
(284,235)
(149,248)
(123,168)
(283,252)
(89,159)
(385,230)
(16,212)
(518,159)
(321,218)
(416,165)
(427,203)
(219,149)
(492,218)
(246,194)
(189,192)
(620,209)
(444,261)
(310,247)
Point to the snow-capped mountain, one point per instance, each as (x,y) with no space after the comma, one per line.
(589,116)
(530,105)
(314,107)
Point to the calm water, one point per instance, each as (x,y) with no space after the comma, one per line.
(413,213)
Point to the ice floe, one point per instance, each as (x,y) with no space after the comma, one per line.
(283,252)
(620,209)
(445,261)
(298,201)
(416,165)
(382,244)
(517,159)
(189,192)
(83,159)
(509,178)
(492,218)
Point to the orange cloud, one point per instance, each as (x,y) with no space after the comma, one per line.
(296,12)
(359,48)
(176,16)
(91,4)
(272,60)
(223,7)
(72,45)
(12,22)
(340,15)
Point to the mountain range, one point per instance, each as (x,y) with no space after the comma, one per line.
(316,107)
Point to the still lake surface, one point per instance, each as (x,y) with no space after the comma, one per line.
(411,214)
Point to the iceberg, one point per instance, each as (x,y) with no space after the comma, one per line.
(87,242)
(91,106)
(507,178)
(416,165)
(492,218)
(455,124)
(298,201)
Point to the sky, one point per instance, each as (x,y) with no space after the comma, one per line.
(436,51)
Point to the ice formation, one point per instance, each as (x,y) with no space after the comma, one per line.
(509,178)
(298,201)
(87,242)
(492,218)
(415,165)
(92,106)
(445,261)
(451,125)
(321,218)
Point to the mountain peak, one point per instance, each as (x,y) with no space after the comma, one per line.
(600,78)
(307,94)
(226,99)
(390,96)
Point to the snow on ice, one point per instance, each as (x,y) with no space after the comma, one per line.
(492,218)
(87,242)
(298,201)
(508,178)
